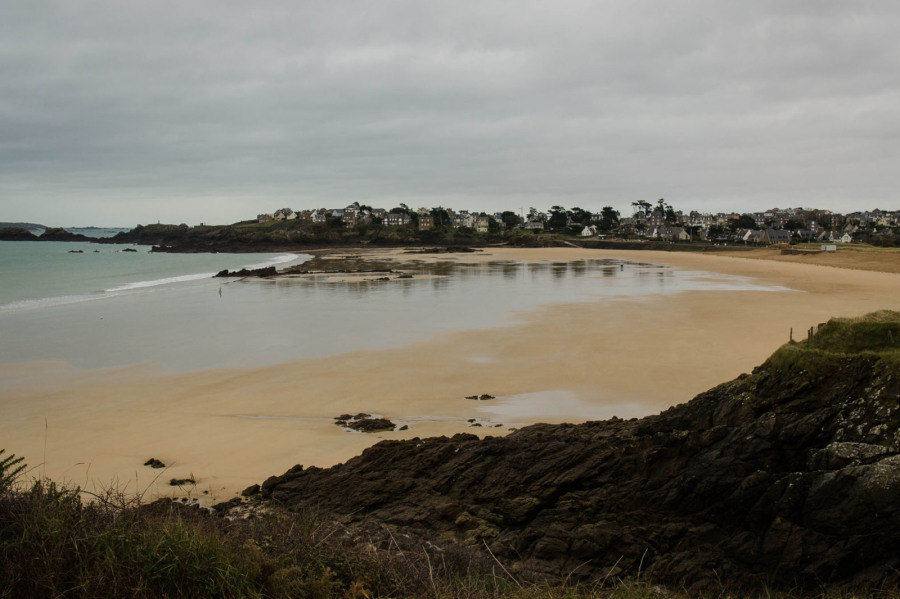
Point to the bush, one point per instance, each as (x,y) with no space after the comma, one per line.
(10,468)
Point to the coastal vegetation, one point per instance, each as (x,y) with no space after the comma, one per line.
(56,541)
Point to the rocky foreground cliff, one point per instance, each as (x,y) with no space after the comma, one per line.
(788,477)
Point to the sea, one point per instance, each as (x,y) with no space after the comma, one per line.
(100,306)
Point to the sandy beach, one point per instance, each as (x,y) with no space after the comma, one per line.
(559,363)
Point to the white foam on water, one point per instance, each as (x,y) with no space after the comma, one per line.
(281,259)
(157,282)
(117,290)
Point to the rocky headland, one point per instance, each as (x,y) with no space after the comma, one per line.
(17,234)
(786,478)
(293,235)
(50,234)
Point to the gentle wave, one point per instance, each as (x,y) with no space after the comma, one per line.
(196,277)
(72,299)
(278,260)
(157,282)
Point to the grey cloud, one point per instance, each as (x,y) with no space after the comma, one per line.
(173,111)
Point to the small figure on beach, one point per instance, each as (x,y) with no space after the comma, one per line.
(220,292)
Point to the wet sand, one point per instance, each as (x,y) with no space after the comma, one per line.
(232,428)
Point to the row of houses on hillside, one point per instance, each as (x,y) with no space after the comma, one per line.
(354,215)
(805,223)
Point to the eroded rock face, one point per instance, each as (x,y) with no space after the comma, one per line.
(789,476)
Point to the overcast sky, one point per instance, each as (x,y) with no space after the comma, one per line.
(117,112)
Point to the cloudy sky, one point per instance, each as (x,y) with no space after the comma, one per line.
(125,112)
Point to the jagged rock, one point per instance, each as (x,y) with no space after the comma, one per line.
(179,482)
(154,463)
(251,491)
(371,425)
(268,271)
(232,503)
(788,477)
(364,423)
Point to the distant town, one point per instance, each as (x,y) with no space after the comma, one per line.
(651,221)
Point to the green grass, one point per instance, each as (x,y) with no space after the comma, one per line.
(876,334)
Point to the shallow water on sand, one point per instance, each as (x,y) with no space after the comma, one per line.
(208,323)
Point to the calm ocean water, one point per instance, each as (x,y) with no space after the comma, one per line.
(115,308)
(66,272)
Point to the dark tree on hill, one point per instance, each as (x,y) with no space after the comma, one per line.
(671,217)
(580,215)
(793,225)
(641,207)
(715,231)
(746,221)
(609,218)
(441,218)
(510,219)
(558,218)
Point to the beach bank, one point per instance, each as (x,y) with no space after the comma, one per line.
(231,428)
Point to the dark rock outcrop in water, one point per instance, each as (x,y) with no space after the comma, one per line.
(59,234)
(268,271)
(787,477)
(17,234)
(51,234)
